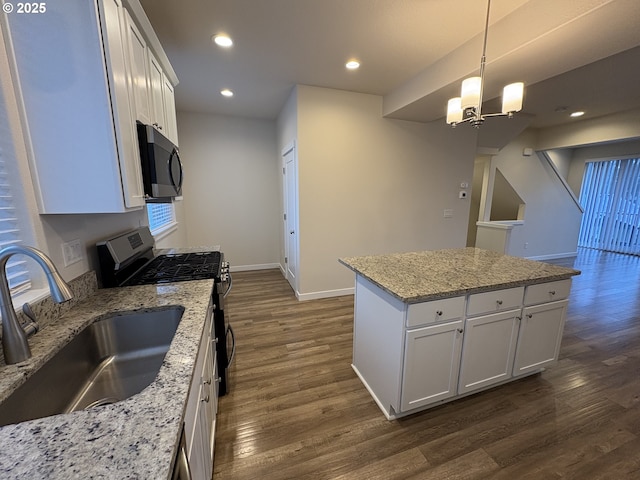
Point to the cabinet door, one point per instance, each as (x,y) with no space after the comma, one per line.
(209,403)
(432,361)
(169,103)
(125,129)
(138,71)
(488,350)
(157,102)
(540,337)
(197,450)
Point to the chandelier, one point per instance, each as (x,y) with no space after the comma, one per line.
(468,106)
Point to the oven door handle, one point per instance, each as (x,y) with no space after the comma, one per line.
(224,295)
(233,345)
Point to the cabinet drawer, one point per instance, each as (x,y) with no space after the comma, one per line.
(435,311)
(547,292)
(496,301)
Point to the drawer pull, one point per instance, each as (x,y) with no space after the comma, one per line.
(439,313)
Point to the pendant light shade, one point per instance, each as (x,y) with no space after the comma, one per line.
(454,111)
(512,97)
(470,92)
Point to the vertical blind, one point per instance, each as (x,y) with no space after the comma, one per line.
(17,273)
(610,197)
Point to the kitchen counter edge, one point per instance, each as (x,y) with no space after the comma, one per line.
(415,277)
(136,438)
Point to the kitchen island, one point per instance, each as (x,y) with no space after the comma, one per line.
(433,326)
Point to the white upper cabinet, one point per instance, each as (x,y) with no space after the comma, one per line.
(138,71)
(169,110)
(162,100)
(81,103)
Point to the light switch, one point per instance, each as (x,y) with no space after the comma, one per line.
(72,252)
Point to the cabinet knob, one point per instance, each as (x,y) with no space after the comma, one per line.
(207,382)
(218,380)
(518,318)
(460,330)
(552,292)
(439,313)
(499,302)
(206,399)
(529,315)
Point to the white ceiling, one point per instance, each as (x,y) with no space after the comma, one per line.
(413,52)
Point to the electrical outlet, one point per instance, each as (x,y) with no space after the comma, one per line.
(72,252)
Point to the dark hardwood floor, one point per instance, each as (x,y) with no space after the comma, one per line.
(297,410)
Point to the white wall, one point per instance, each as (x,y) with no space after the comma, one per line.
(551,219)
(370,185)
(231,195)
(617,127)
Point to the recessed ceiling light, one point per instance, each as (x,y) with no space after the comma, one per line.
(222,40)
(226,93)
(577,114)
(352,64)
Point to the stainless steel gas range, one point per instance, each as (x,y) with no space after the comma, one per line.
(129,259)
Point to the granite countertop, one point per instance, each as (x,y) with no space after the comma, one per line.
(420,276)
(136,438)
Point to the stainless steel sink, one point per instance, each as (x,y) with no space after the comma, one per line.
(108,361)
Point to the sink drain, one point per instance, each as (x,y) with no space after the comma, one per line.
(102,402)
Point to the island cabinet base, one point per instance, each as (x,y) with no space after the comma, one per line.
(414,356)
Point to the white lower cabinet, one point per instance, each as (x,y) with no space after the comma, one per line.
(540,336)
(488,350)
(415,356)
(200,414)
(432,361)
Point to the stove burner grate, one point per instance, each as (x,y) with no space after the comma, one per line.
(179,268)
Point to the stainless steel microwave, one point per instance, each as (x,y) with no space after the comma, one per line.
(161,167)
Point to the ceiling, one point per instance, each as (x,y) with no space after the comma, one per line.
(579,54)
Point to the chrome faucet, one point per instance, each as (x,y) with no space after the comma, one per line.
(14,340)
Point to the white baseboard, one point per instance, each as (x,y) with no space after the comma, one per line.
(325,294)
(261,266)
(553,256)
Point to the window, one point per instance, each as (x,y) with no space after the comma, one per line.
(17,273)
(611,199)
(162,217)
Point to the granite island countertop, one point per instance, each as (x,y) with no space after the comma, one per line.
(421,276)
(136,438)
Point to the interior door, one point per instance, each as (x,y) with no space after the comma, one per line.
(290,224)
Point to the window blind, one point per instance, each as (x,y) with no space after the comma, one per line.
(17,273)
(160,215)
(610,197)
